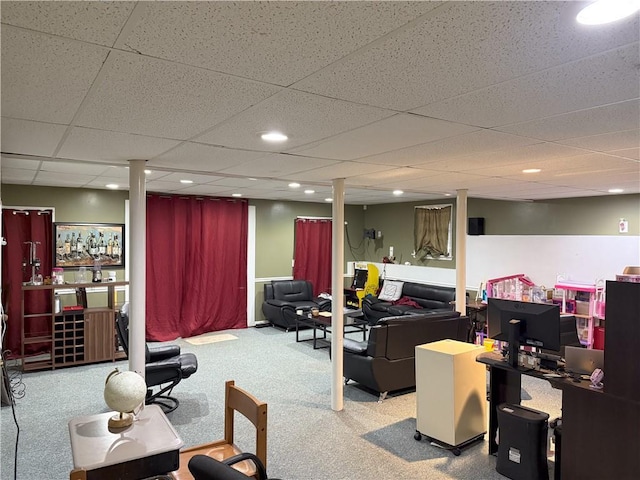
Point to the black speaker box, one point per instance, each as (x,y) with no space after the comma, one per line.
(476,226)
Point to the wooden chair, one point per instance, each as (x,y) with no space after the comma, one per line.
(235,399)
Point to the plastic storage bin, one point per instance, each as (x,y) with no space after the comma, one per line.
(522,445)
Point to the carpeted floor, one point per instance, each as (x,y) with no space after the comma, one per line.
(306,439)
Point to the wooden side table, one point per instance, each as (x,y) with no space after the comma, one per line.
(148,448)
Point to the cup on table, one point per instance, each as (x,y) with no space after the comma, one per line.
(488,344)
(315,312)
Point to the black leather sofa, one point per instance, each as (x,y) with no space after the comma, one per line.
(386,361)
(432,299)
(282,298)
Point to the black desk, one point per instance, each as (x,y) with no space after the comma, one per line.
(600,431)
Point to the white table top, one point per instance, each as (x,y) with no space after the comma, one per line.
(94,446)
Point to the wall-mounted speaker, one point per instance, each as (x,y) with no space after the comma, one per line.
(476,226)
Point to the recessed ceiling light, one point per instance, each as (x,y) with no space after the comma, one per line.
(186,181)
(148,172)
(112,186)
(616,190)
(398,192)
(236,194)
(531,170)
(447,194)
(607,11)
(309,192)
(328,199)
(252,179)
(294,185)
(274,137)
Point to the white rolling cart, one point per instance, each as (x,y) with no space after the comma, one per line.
(451,395)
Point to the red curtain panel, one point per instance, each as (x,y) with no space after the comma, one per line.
(196,265)
(313,253)
(18,227)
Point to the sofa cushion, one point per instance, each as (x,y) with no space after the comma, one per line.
(429,296)
(292,290)
(353,346)
(391,290)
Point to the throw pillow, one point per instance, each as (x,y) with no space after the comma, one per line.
(391,290)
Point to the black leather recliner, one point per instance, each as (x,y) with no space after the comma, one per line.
(386,361)
(283,297)
(165,367)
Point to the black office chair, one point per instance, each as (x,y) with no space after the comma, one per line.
(165,367)
(203,467)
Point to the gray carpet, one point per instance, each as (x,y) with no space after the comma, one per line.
(306,439)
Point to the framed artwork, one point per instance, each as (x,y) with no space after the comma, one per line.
(81,244)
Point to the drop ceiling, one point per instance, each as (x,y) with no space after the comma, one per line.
(426,97)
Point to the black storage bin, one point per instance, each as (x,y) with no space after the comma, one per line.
(557,433)
(522,446)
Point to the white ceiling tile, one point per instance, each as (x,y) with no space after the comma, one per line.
(194,177)
(303,117)
(566,88)
(387,176)
(104,180)
(25,164)
(254,39)
(606,141)
(443,150)
(16,175)
(338,170)
(203,190)
(46,78)
(277,165)
(594,121)
(205,158)
(161,186)
(78,168)
(90,144)
(392,133)
(137,93)
(631,153)
(93,22)
(462,47)
(62,179)
(30,138)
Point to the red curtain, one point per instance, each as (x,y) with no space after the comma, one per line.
(18,227)
(313,253)
(196,265)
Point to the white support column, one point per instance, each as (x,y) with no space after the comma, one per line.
(461,252)
(337,296)
(137,251)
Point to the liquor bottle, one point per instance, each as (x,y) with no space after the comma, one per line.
(110,246)
(93,246)
(80,246)
(67,246)
(59,248)
(74,245)
(116,248)
(102,247)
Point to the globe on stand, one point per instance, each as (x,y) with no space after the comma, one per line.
(123,392)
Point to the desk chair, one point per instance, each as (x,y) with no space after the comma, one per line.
(203,467)
(164,367)
(235,399)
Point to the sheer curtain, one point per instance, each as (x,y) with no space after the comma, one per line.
(313,253)
(19,226)
(196,265)
(431,230)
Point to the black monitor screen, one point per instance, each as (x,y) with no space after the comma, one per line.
(360,278)
(539,322)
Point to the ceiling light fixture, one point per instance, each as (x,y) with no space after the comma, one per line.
(274,137)
(236,194)
(328,199)
(531,170)
(112,186)
(607,11)
(186,182)
(309,192)
(616,190)
(148,172)
(294,185)
(397,193)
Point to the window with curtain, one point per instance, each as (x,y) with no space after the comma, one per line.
(312,256)
(196,265)
(432,231)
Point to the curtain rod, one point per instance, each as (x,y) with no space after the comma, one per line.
(312,218)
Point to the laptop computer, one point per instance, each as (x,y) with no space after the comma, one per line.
(582,361)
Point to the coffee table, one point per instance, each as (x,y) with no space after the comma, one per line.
(353,322)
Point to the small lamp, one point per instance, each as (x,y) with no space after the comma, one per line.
(123,392)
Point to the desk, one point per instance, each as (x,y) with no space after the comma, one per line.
(147,448)
(599,430)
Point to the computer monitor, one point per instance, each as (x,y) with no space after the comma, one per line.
(524,323)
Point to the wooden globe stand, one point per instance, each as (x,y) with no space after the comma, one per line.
(121,420)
